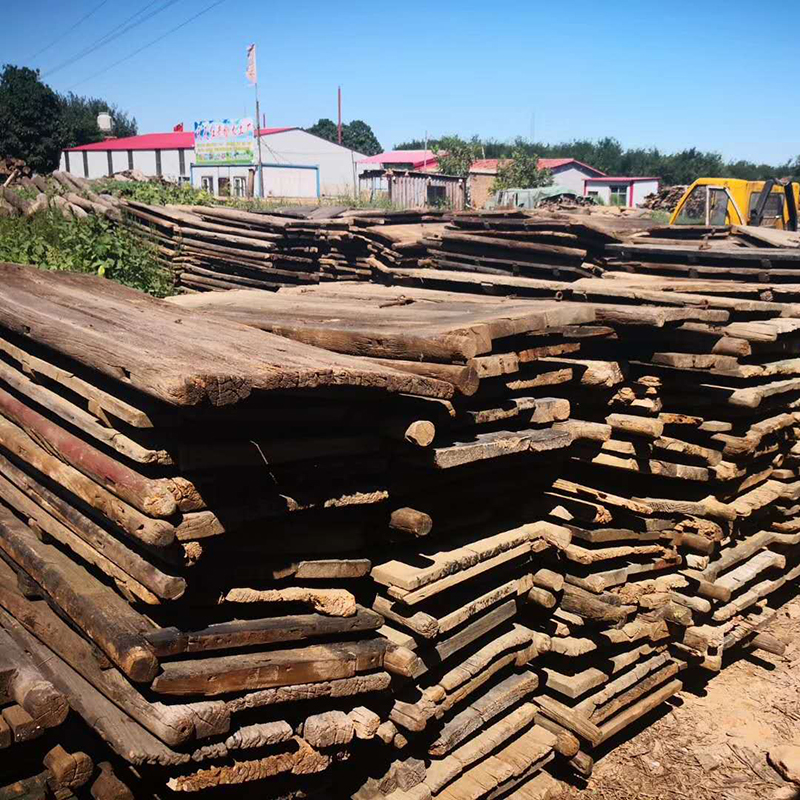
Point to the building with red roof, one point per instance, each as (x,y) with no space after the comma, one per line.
(296,164)
(402,159)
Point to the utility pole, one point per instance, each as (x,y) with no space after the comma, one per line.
(252,76)
(339,127)
(258,139)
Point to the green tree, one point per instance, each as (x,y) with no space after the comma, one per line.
(455,155)
(324,128)
(521,171)
(358,136)
(30,119)
(79,120)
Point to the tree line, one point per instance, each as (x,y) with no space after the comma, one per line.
(609,156)
(37,123)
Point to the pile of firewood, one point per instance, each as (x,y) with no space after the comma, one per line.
(665,199)
(12,168)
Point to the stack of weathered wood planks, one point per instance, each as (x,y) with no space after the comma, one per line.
(212,248)
(744,254)
(200,567)
(668,528)
(190,551)
(467,556)
(542,244)
(399,541)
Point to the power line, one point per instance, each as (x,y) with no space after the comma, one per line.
(150,44)
(114,33)
(68,31)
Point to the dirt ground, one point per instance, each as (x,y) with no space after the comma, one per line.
(710,742)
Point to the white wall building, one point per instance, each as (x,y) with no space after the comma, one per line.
(622,191)
(296,164)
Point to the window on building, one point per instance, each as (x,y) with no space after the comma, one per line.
(437,195)
(182,162)
(207,184)
(239,186)
(183,180)
(224,187)
(619,195)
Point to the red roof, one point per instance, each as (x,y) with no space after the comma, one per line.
(414,157)
(174,140)
(619,179)
(487,164)
(490,164)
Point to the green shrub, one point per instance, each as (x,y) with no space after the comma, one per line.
(156,193)
(91,245)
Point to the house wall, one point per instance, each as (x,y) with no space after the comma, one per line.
(143,160)
(279,180)
(643,188)
(480,188)
(337,165)
(572,177)
(635,191)
(603,191)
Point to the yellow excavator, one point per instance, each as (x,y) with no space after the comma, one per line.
(732,201)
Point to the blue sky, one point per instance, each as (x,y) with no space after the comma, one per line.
(716,75)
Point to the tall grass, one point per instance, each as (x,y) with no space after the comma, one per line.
(91,245)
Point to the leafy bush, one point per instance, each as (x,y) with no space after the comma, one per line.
(521,171)
(456,155)
(155,193)
(91,245)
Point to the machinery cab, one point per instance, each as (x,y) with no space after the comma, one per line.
(732,201)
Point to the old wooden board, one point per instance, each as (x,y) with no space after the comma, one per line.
(120,333)
(410,324)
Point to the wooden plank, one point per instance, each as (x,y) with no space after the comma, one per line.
(151,496)
(246,633)
(224,674)
(115,727)
(120,333)
(132,522)
(98,611)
